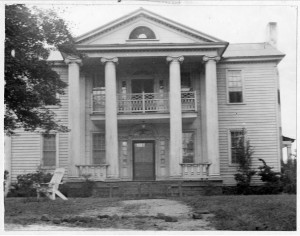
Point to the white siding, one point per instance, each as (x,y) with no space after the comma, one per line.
(258,115)
(27,146)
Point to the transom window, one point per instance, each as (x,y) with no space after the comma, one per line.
(98,148)
(236,137)
(142,32)
(235,86)
(188,147)
(49,150)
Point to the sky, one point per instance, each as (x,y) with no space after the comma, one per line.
(235,23)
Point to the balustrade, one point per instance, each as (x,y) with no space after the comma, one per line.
(144,102)
(95,172)
(195,171)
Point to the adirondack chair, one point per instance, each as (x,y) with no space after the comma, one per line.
(51,189)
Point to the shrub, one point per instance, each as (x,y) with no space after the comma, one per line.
(245,172)
(271,179)
(289,176)
(24,185)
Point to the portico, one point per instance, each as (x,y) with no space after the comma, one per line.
(117,106)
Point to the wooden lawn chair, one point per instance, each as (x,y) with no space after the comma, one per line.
(51,189)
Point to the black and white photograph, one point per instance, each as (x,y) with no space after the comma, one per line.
(148,116)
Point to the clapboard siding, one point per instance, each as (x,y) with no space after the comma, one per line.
(258,115)
(26,147)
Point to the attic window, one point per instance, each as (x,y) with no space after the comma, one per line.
(142,32)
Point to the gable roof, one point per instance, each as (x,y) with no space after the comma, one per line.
(143,13)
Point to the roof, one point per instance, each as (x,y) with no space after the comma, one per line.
(251,50)
(284,138)
(141,12)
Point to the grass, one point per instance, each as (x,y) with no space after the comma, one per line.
(252,212)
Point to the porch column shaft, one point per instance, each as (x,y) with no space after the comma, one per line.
(74,115)
(175,117)
(289,152)
(211,113)
(111,123)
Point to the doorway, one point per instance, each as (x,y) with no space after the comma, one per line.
(143,160)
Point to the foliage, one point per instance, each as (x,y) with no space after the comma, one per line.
(24,185)
(271,179)
(30,83)
(244,159)
(289,176)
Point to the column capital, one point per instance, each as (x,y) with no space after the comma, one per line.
(107,59)
(211,58)
(175,59)
(73,60)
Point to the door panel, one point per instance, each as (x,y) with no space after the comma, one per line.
(142,85)
(143,160)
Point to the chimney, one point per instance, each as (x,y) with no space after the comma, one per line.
(272,34)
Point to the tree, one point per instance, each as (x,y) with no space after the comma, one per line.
(30,83)
(244,159)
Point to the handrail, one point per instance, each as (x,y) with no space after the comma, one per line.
(144,102)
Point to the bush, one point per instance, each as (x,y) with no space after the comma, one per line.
(273,184)
(289,176)
(24,185)
(245,172)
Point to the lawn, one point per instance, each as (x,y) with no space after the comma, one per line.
(253,212)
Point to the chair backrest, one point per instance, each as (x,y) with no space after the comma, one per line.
(57,176)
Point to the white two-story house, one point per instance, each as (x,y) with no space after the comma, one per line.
(154,100)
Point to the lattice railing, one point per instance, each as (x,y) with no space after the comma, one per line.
(188,101)
(145,102)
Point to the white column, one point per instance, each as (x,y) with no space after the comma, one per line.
(111,123)
(74,115)
(175,117)
(211,113)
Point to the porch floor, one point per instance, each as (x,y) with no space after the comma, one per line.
(147,189)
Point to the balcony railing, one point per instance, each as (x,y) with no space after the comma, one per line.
(195,171)
(145,102)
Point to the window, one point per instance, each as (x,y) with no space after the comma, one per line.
(186,81)
(235,86)
(142,32)
(236,139)
(49,150)
(98,148)
(188,147)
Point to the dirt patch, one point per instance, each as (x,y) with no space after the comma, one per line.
(147,214)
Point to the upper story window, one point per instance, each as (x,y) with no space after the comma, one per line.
(142,32)
(235,86)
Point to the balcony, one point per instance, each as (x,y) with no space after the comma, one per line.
(145,102)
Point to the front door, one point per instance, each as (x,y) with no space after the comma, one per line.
(143,160)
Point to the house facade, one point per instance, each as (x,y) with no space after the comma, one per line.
(154,100)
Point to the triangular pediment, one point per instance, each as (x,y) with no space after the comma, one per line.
(165,30)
